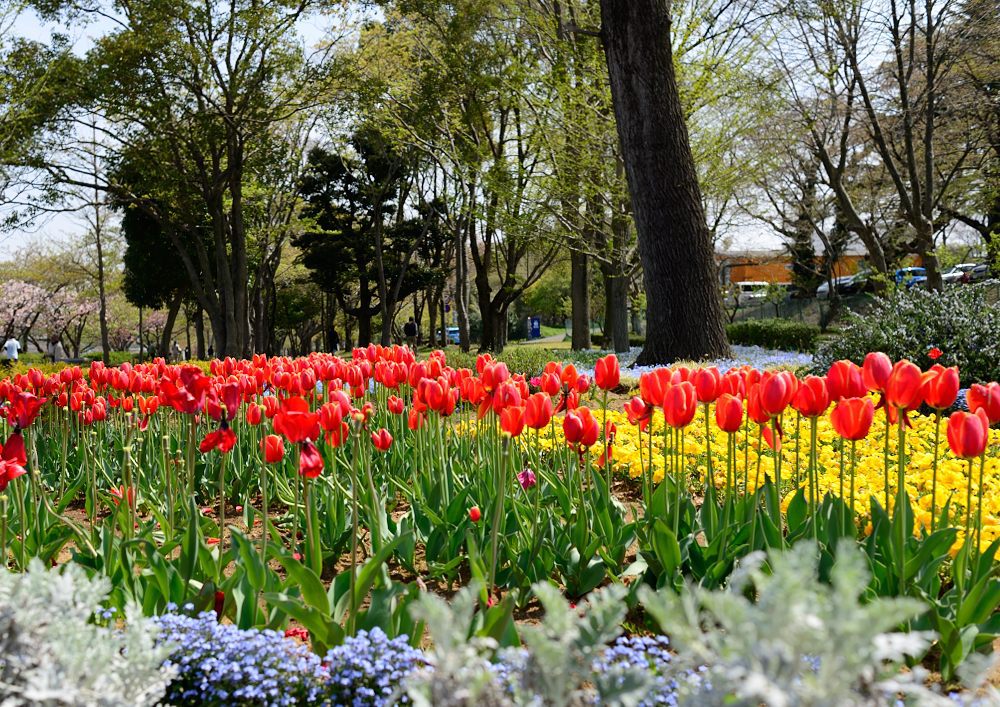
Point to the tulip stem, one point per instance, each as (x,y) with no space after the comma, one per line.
(854,464)
(798,445)
(979,504)
(901,501)
(968,503)
(708,448)
(263,513)
(222,514)
(934,472)
(886,454)
(3,529)
(813,478)
(498,513)
(843,522)
(354,534)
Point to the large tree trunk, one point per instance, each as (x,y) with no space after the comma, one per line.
(199,334)
(615,311)
(684,312)
(579,290)
(168,327)
(432,321)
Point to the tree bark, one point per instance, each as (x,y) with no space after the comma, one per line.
(579,289)
(684,312)
(199,334)
(168,327)
(615,311)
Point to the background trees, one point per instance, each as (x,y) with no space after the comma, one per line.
(285,172)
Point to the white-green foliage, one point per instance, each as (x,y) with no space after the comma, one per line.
(963,321)
(459,671)
(799,642)
(53,654)
(556,671)
(563,647)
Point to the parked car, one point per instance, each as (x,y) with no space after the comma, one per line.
(909,277)
(978,274)
(747,292)
(842,285)
(958,273)
(452,334)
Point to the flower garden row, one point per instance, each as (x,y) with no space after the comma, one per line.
(328,493)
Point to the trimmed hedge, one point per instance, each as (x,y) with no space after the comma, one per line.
(782,334)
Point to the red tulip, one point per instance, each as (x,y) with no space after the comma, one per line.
(852,417)
(475,514)
(580,428)
(396,405)
(940,386)
(639,412)
(310,460)
(120,493)
(569,376)
(551,384)
(875,371)
(493,375)
(680,404)
(845,380)
(222,439)
(985,398)
(230,396)
(707,384)
(254,413)
(382,440)
(274,449)
(537,411)
(968,433)
(812,398)
(295,421)
(777,391)
(13,449)
(23,410)
(512,421)
(607,372)
(754,409)
(902,389)
(728,413)
(653,386)
(934,354)
(9,470)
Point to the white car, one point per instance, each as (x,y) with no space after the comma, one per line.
(747,292)
(958,273)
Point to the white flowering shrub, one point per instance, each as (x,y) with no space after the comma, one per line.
(563,663)
(797,641)
(963,322)
(53,654)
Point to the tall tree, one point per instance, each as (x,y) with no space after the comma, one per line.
(684,312)
(202,86)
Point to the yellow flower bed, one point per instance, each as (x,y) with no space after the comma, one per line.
(630,460)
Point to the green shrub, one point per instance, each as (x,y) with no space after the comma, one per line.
(116,358)
(529,360)
(962,321)
(774,334)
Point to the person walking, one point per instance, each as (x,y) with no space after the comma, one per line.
(410,331)
(175,352)
(54,351)
(11,350)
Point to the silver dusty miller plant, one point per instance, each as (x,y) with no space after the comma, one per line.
(800,642)
(554,670)
(53,655)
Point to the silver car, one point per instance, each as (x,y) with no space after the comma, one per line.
(957,273)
